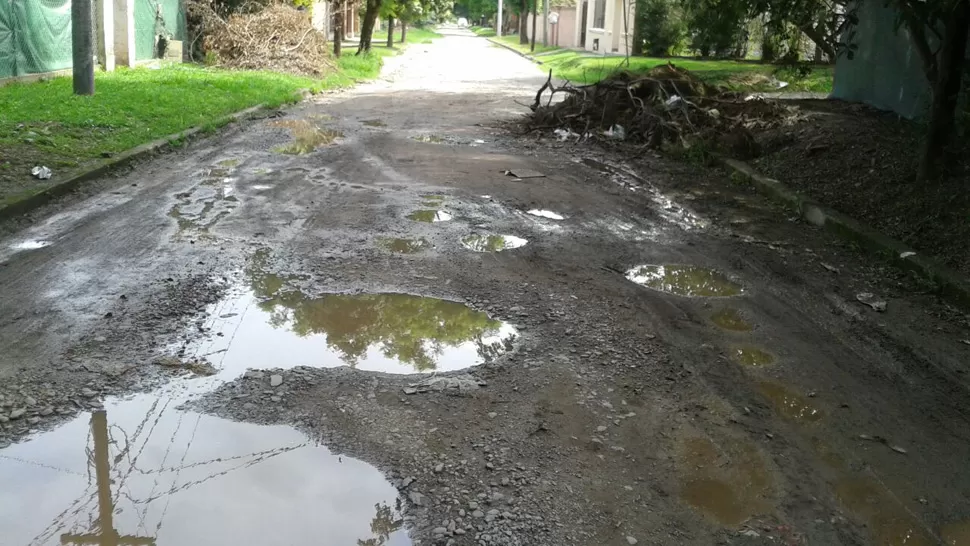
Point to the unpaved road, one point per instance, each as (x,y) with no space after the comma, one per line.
(767,407)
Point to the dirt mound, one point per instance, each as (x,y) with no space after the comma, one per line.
(278,37)
(665,104)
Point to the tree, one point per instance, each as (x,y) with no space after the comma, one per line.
(938,32)
(717,27)
(821,20)
(338,26)
(372,10)
(661,26)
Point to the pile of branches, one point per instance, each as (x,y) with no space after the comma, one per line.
(664,105)
(274,37)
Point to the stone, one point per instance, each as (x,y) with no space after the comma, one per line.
(33,420)
(17,413)
(88,393)
(473,505)
(275,380)
(631,540)
(439,467)
(439,530)
(492,415)
(254,374)
(490,466)
(601,428)
(275,399)
(416,498)
(30,401)
(46,411)
(4,418)
(478,514)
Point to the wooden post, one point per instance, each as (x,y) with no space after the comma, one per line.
(82,42)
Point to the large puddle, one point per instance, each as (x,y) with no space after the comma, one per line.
(684,280)
(789,403)
(307,136)
(731,319)
(142,472)
(492,243)
(400,245)
(749,355)
(430,216)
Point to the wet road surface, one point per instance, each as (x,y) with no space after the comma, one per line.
(622,350)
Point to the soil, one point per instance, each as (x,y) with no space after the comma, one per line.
(620,414)
(863,162)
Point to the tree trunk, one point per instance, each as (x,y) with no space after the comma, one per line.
(367,28)
(390,32)
(636,48)
(338,27)
(404,31)
(524,21)
(535,16)
(946,92)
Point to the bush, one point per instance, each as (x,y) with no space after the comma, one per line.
(661,27)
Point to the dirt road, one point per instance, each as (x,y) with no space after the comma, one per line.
(443,353)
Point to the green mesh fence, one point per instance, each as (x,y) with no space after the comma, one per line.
(35,36)
(154,17)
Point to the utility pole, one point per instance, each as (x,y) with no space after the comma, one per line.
(107,535)
(498,31)
(82,42)
(545,22)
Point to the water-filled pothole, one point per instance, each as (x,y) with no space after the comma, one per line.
(684,280)
(307,136)
(548,214)
(148,473)
(788,403)
(400,245)
(430,216)
(730,484)
(492,243)
(30,245)
(374,123)
(749,355)
(730,318)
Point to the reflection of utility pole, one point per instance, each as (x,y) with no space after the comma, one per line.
(107,535)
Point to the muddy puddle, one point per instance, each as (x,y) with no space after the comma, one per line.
(430,216)
(399,245)
(730,482)
(492,243)
(749,355)
(547,214)
(205,204)
(390,333)
(790,404)
(731,319)
(373,123)
(30,245)
(684,280)
(307,136)
(143,471)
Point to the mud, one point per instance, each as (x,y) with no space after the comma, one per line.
(616,413)
(492,243)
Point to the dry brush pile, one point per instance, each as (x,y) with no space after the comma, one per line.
(666,105)
(272,37)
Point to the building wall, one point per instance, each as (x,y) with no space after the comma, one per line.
(568,36)
(612,37)
(886,72)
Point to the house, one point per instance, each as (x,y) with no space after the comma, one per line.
(322,17)
(606,26)
(562,27)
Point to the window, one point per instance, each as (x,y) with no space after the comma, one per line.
(599,14)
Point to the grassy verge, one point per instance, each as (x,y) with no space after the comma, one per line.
(513,42)
(44,123)
(483,31)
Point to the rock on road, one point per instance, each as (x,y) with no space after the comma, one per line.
(741,396)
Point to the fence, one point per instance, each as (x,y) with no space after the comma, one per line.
(35,35)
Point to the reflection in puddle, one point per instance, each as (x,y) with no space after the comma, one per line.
(730,484)
(30,245)
(306,136)
(956,534)
(684,280)
(731,319)
(404,246)
(788,403)
(492,243)
(889,522)
(228,163)
(751,356)
(143,472)
(429,216)
(545,214)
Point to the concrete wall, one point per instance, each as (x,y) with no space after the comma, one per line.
(566,27)
(886,71)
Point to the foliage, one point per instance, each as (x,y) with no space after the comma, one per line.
(717,27)
(661,26)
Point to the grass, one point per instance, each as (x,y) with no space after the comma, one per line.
(483,31)
(513,41)
(44,123)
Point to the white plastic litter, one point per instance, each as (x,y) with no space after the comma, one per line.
(617,131)
(41,172)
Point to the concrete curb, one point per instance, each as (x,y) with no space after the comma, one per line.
(513,50)
(43,197)
(951,285)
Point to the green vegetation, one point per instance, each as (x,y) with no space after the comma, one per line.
(417,35)
(486,32)
(513,42)
(578,67)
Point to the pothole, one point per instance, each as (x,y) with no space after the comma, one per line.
(730,483)
(492,243)
(203,206)
(749,355)
(404,246)
(149,473)
(307,136)
(889,522)
(684,280)
(374,123)
(730,318)
(391,333)
(430,216)
(431,139)
(30,245)
(789,404)
(548,214)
